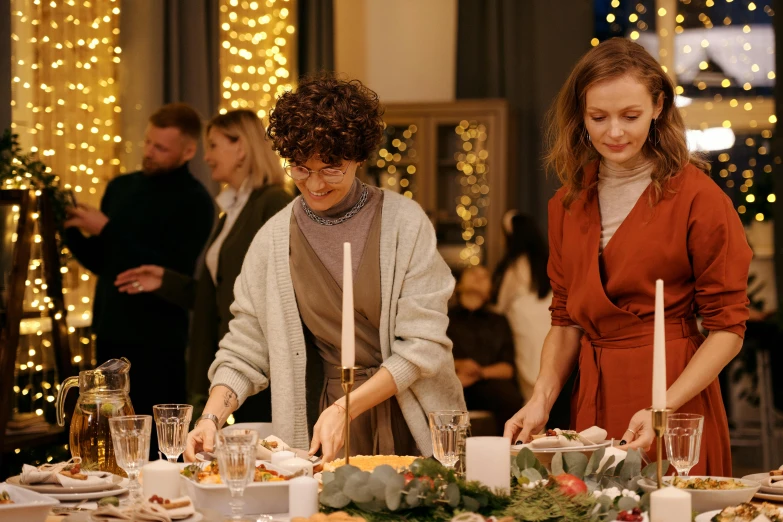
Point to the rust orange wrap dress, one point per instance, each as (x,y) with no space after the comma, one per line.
(692,239)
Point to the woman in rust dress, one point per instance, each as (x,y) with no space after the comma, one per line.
(636,207)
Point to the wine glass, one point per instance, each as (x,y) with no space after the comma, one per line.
(446,429)
(683,440)
(172,422)
(236,455)
(131,438)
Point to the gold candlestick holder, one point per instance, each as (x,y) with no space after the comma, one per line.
(346,377)
(659,418)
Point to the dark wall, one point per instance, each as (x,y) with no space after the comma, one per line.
(5,64)
(777,151)
(522,50)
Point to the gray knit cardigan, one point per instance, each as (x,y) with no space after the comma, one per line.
(266,346)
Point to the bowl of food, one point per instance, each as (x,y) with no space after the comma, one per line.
(267,494)
(22,505)
(709,493)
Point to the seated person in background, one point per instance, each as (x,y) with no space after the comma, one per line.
(483,348)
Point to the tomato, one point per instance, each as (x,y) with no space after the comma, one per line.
(570,485)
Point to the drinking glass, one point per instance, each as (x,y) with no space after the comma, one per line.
(447,428)
(172,422)
(131,438)
(683,441)
(236,455)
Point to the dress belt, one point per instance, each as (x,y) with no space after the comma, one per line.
(634,336)
(380,415)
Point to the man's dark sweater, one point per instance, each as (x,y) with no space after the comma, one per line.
(162,219)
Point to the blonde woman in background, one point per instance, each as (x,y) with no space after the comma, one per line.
(241,158)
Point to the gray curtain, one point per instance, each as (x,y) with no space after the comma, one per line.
(316,36)
(170,54)
(5,64)
(777,151)
(522,50)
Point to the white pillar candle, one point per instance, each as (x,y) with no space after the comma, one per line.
(302,497)
(296,464)
(488,460)
(160,478)
(348,355)
(670,505)
(281,456)
(659,351)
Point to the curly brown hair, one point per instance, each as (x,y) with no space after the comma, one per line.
(327,117)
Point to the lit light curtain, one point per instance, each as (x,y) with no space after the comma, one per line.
(522,51)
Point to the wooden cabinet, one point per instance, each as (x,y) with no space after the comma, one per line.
(453,158)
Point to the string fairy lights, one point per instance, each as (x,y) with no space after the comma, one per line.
(257,53)
(473,202)
(65,109)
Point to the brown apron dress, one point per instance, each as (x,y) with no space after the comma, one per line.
(382,430)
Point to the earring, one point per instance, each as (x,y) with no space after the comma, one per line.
(586,137)
(654,136)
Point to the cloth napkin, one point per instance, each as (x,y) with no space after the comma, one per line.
(145,512)
(774,482)
(50,474)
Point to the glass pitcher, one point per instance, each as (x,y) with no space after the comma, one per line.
(103,393)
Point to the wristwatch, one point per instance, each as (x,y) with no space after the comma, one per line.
(209,416)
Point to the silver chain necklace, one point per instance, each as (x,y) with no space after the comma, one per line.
(348,215)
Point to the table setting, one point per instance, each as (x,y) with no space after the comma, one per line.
(253,475)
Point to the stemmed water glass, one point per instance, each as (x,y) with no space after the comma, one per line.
(683,440)
(236,454)
(172,422)
(131,438)
(447,429)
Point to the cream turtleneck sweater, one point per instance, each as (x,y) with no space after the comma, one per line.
(618,191)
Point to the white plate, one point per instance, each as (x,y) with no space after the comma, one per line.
(769,496)
(761,478)
(92,495)
(518,447)
(58,489)
(707,517)
(195,517)
(28,506)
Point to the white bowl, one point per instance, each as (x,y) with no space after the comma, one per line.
(704,500)
(261,498)
(28,506)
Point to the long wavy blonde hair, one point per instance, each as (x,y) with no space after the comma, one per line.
(261,163)
(569,149)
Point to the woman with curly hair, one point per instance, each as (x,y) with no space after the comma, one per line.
(288,298)
(635,206)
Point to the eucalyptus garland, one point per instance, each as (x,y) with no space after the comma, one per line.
(24,170)
(429,492)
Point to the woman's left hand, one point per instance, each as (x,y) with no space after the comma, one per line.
(640,434)
(328,433)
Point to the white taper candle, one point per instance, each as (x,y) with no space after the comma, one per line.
(348,348)
(659,351)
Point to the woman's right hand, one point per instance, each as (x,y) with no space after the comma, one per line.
(202,438)
(531,419)
(146,278)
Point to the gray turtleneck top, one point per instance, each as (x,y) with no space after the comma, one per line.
(327,241)
(618,191)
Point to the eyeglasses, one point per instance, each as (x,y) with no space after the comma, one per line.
(330,175)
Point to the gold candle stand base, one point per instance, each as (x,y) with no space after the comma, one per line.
(347,379)
(659,418)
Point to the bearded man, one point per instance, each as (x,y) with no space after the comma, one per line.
(160,216)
